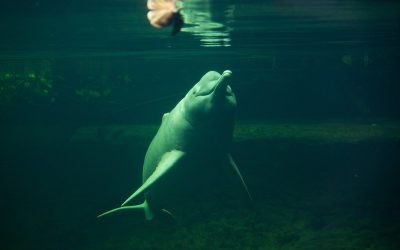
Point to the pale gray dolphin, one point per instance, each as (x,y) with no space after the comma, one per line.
(197,131)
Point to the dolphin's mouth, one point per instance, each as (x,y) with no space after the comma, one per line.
(222,85)
(229,91)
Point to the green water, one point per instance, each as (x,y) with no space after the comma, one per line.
(83,86)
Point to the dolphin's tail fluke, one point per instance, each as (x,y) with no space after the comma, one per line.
(147,211)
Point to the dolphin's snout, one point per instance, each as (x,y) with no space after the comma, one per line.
(222,87)
(226,73)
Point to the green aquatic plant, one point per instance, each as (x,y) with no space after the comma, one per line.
(92,93)
(38,86)
(26,86)
(353,60)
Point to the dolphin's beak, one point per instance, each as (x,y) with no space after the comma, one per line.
(221,85)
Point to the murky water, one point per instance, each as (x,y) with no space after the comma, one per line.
(83,86)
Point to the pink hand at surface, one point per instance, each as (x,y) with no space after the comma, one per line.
(163,13)
(160,18)
(162,4)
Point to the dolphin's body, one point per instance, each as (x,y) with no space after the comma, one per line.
(197,131)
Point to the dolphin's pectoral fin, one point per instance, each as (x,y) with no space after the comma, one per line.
(169,213)
(234,166)
(147,211)
(168,160)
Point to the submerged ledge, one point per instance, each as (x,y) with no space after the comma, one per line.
(316,132)
(245,131)
(349,132)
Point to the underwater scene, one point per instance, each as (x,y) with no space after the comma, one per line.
(200,124)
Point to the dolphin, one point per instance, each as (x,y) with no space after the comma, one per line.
(198,131)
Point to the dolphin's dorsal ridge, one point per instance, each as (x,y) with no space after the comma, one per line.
(164,117)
